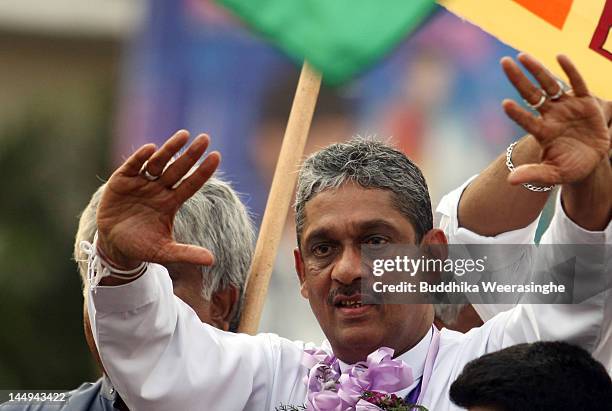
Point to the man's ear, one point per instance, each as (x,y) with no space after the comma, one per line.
(224,302)
(301,273)
(435,244)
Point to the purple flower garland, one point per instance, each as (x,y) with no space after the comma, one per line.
(366,386)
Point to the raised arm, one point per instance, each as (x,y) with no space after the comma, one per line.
(567,143)
(573,133)
(154,348)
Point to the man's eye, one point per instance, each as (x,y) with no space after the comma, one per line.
(376,240)
(321,250)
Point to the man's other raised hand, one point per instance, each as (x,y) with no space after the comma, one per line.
(571,128)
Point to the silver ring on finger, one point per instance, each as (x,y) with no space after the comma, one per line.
(145,173)
(558,94)
(540,102)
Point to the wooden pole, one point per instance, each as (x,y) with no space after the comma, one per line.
(280,196)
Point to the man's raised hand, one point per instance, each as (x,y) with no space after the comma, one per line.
(571,129)
(136,213)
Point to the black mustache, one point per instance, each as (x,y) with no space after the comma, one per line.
(353,288)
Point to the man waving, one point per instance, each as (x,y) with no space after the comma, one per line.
(160,357)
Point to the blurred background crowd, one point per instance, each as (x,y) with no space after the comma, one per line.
(83,83)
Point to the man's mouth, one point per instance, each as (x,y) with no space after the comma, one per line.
(351,306)
(352,303)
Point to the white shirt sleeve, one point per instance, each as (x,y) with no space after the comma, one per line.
(585,324)
(563,230)
(448,221)
(578,324)
(160,356)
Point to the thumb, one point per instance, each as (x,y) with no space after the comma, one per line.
(186,253)
(535,173)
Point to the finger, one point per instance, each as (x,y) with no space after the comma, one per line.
(200,175)
(185,253)
(540,73)
(530,123)
(543,174)
(519,80)
(576,80)
(177,170)
(156,164)
(131,167)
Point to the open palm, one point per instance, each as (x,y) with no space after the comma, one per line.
(136,215)
(571,129)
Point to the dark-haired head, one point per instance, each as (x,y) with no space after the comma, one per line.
(539,376)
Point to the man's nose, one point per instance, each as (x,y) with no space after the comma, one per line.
(348,268)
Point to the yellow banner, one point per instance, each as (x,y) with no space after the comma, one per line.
(581,29)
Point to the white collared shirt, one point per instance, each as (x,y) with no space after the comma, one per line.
(160,356)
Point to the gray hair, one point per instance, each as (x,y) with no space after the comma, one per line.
(448,313)
(214,218)
(371,164)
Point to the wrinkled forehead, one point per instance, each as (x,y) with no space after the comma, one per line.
(350,210)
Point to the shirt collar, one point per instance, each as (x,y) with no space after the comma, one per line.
(414,358)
